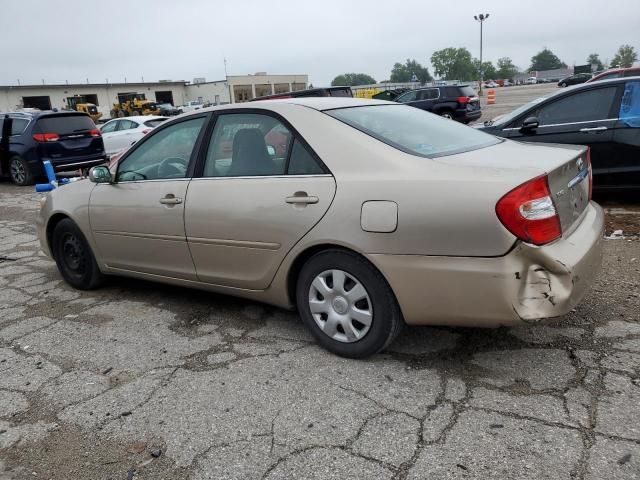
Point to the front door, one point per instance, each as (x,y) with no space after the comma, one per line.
(583,118)
(260,191)
(138,221)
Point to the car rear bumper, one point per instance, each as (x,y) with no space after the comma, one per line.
(464,114)
(76,163)
(526,285)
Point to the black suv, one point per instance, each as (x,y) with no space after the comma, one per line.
(69,140)
(456,102)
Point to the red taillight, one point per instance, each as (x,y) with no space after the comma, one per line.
(46,137)
(590,172)
(464,100)
(95,133)
(528,212)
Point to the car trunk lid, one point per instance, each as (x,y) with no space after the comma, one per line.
(566,166)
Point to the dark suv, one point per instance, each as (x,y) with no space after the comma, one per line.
(456,102)
(69,140)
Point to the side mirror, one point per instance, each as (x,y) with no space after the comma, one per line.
(271,150)
(100,175)
(530,124)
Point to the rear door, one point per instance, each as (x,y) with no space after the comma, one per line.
(254,200)
(66,137)
(586,117)
(624,168)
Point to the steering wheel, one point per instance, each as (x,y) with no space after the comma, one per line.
(172,166)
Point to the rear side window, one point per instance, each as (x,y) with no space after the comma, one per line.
(66,124)
(18,125)
(154,123)
(302,162)
(413,130)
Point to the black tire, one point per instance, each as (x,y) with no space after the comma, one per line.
(446,114)
(563,84)
(74,257)
(20,172)
(386,321)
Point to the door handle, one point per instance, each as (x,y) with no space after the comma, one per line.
(170,200)
(301,198)
(594,129)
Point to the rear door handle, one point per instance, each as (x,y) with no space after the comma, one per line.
(594,129)
(170,200)
(301,198)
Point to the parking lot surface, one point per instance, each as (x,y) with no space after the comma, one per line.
(139,380)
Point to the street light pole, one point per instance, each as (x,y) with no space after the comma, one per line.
(481,18)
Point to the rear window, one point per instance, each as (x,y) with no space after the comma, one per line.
(155,122)
(340,92)
(413,130)
(66,124)
(467,91)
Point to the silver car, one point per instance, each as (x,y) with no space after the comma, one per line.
(363,214)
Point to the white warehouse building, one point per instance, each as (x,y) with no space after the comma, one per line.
(234,89)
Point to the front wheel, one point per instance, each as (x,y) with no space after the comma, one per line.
(347,304)
(20,172)
(563,84)
(74,257)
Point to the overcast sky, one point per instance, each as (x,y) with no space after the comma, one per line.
(73,40)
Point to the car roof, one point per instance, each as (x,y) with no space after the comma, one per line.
(315,103)
(140,118)
(44,113)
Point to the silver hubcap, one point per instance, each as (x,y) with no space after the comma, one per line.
(17,171)
(340,306)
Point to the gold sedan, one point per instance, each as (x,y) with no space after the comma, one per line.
(363,214)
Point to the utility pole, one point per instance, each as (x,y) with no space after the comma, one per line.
(481,18)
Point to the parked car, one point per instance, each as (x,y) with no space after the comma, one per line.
(574,79)
(603,115)
(69,140)
(531,81)
(168,110)
(191,106)
(491,84)
(616,73)
(310,92)
(121,133)
(508,83)
(454,102)
(376,214)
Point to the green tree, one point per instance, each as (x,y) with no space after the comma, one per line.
(624,57)
(506,68)
(353,79)
(488,70)
(402,73)
(545,60)
(453,64)
(594,59)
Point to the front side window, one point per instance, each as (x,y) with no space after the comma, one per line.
(630,105)
(110,127)
(413,130)
(164,155)
(408,97)
(583,106)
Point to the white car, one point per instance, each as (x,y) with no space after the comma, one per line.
(532,80)
(491,84)
(120,133)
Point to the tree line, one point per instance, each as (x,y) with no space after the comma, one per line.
(459,64)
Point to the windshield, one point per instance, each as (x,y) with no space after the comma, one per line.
(413,130)
(515,113)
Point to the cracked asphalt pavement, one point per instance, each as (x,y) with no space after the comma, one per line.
(146,381)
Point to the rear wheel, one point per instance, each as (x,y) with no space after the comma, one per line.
(347,304)
(447,114)
(19,171)
(74,257)
(563,84)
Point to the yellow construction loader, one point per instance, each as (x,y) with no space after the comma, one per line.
(132,104)
(80,104)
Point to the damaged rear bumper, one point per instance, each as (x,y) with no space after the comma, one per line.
(528,284)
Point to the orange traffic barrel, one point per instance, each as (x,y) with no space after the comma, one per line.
(491,97)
